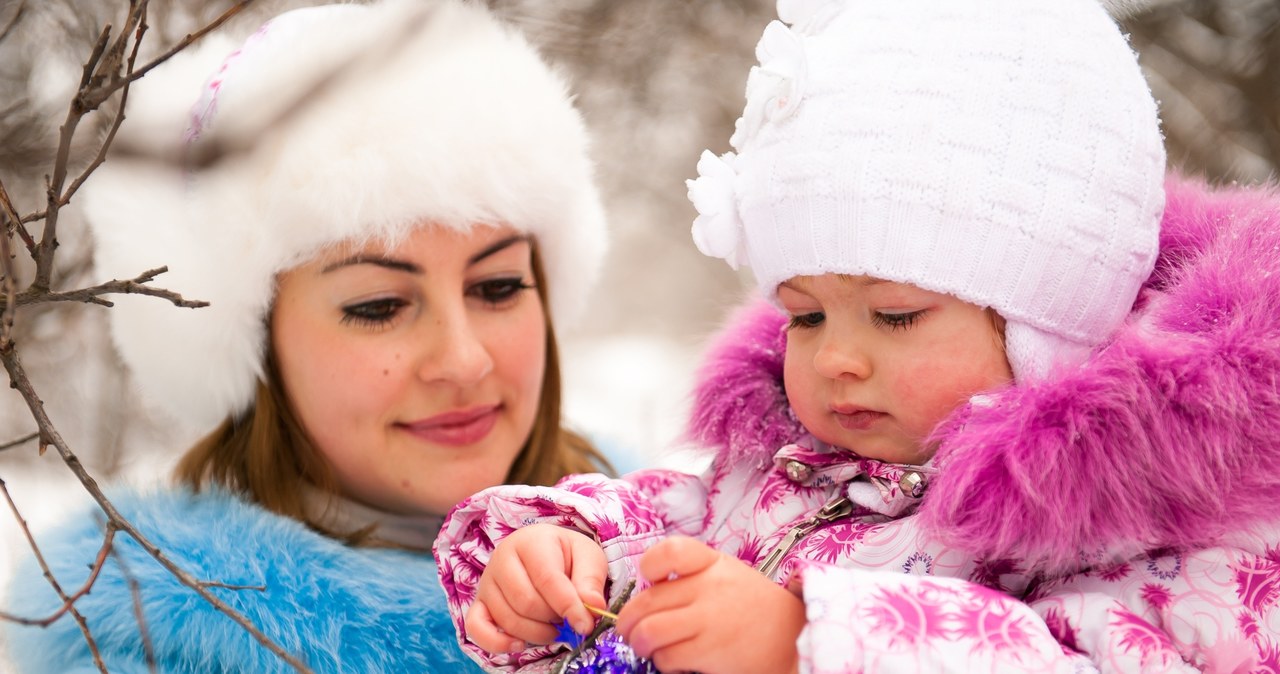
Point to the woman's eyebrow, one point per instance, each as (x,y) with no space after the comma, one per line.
(496,247)
(379,260)
(409,267)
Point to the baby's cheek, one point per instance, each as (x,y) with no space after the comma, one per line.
(930,392)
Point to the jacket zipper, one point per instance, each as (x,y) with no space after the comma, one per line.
(835,509)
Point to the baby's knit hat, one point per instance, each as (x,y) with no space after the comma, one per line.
(335,123)
(1005,152)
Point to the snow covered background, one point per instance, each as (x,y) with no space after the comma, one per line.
(658,82)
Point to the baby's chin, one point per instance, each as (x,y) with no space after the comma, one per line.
(905,453)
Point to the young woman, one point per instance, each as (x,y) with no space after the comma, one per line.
(385,207)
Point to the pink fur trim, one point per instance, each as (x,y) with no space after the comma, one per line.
(740,407)
(1169,436)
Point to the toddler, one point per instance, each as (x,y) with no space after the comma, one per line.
(1019,413)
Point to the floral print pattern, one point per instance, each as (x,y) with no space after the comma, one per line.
(892,598)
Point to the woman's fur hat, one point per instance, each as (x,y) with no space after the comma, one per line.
(330,124)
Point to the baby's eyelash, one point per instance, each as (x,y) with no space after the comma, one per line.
(810,320)
(896,321)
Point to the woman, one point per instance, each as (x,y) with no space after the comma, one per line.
(384,205)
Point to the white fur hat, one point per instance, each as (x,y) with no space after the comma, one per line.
(1006,152)
(378,118)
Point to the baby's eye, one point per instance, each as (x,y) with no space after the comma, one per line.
(896,321)
(810,320)
(372,313)
(500,290)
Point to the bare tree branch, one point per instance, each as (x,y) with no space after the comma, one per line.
(226,586)
(20,441)
(68,602)
(101,77)
(93,295)
(101,156)
(92,98)
(9,289)
(185,42)
(135,592)
(53,185)
(18,376)
(99,81)
(13,223)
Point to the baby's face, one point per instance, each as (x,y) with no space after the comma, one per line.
(873,366)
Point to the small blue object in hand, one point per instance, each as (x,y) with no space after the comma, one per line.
(566,635)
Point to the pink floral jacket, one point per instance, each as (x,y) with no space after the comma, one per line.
(1121,517)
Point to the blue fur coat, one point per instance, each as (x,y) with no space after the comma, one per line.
(339,609)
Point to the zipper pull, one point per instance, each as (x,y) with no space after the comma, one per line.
(834,509)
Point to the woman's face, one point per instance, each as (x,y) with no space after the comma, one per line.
(415,369)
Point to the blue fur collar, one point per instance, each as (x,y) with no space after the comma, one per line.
(339,609)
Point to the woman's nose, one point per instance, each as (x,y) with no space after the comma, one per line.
(842,357)
(455,351)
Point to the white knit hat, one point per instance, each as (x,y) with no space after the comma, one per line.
(1005,152)
(379,118)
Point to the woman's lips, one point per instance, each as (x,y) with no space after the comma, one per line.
(856,418)
(457,428)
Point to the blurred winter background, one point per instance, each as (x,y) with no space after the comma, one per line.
(658,80)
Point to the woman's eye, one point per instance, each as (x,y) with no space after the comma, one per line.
(498,291)
(809,320)
(372,313)
(899,321)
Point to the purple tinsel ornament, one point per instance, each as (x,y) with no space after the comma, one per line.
(609,655)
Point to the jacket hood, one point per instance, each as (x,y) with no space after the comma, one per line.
(1167,437)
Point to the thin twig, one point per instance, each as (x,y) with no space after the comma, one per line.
(227,586)
(20,441)
(185,42)
(93,295)
(53,185)
(116,121)
(135,591)
(18,376)
(8,290)
(601,625)
(68,602)
(80,106)
(13,222)
(90,99)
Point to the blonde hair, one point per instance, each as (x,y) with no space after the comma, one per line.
(266,455)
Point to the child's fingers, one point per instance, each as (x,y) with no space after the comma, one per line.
(531,629)
(588,572)
(484,632)
(662,634)
(549,581)
(675,557)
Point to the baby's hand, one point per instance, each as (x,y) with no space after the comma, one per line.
(715,614)
(535,577)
